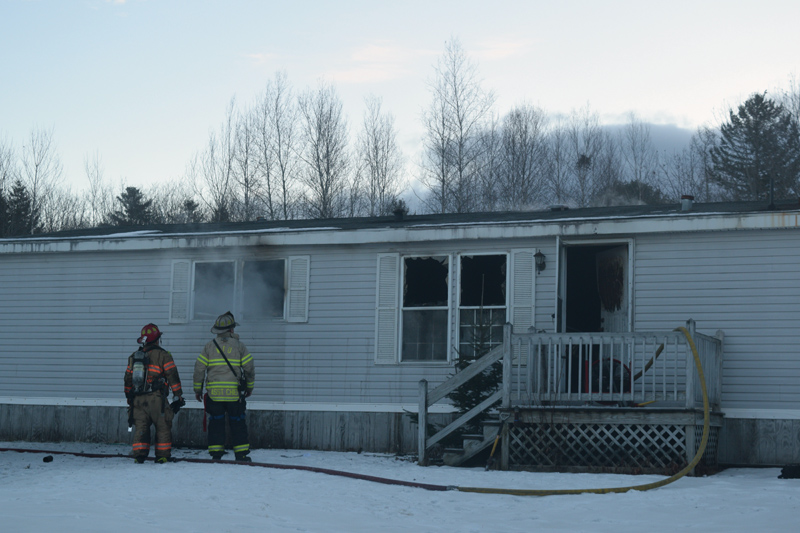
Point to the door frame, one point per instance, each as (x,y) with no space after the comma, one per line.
(560,311)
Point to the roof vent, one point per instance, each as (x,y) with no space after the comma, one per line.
(686,202)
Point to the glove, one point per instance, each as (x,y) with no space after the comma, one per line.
(199,396)
(248,393)
(177,404)
(129,400)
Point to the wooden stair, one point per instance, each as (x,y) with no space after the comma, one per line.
(472,444)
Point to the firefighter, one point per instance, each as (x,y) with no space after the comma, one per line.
(227,369)
(150,375)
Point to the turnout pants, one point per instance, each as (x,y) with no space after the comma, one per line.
(235,411)
(152,409)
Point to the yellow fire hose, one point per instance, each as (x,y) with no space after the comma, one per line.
(647,486)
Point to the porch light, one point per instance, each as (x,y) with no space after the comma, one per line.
(540,263)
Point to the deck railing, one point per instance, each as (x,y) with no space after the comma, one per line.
(633,369)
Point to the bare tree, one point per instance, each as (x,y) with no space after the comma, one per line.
(245,167)
(276,130)
(173,203)
(490,166)
(214,167)
(453,124)
(99,196)
(65,211)
(9,171)
(639,156)
(436,165)
(586,142)
(558,164)
(380,159)
(524,153)
(681,173)
(702,142)
(324,152)
(8,175)
(790,99)
(41,170)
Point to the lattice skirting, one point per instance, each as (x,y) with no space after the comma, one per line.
(646,448)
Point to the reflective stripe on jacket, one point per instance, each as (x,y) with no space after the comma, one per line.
(212,370)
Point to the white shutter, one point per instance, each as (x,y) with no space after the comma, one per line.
(386,309)
(179,292)
(523,282)
(297,297)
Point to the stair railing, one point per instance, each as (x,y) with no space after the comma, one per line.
(429,398)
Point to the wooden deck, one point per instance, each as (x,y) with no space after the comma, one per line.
(628,402)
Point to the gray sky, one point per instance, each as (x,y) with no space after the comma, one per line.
(142,82)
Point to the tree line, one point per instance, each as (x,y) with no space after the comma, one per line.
(289,154)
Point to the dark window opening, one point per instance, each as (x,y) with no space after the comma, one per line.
(425,282)
(482,310)
(213,288)
(483,281)
(263,289)
(425,308)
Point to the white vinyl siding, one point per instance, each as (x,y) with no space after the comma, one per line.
(61,307)
(746,284)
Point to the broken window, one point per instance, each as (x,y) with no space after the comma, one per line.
(263,289)
(213,288)
(482,304)
(425,308)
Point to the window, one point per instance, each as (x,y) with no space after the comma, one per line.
(213,288)
(263,289)
(425,308)
(482,304)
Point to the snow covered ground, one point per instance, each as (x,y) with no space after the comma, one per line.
(114,494)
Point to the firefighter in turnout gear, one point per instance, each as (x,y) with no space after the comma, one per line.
(227,369)
(150,375)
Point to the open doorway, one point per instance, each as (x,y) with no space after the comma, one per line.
(594,288)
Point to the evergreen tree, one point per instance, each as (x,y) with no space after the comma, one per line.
(136,210)
(22,217)
(191,211)
(479,388)
(759,148)
(220,213)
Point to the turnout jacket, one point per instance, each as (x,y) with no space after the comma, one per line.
(161,369)
(211,368)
